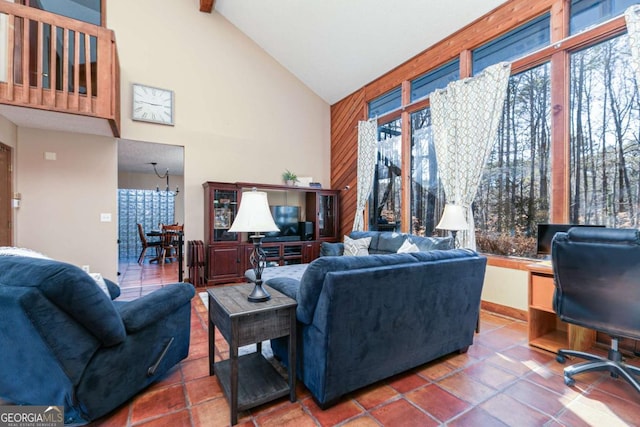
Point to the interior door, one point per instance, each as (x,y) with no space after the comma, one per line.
(5,196)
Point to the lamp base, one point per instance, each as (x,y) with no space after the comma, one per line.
(259,294)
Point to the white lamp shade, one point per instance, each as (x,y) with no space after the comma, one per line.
(254,214)
(453,218)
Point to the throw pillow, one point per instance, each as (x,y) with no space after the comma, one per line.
(356,247)
(408,246)
(13,251)
(101,283)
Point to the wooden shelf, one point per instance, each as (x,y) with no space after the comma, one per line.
(258,381)
(546,330)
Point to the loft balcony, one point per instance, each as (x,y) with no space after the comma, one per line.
(67,70)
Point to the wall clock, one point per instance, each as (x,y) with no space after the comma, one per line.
(152,104)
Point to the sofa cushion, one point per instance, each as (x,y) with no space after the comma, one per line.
(362,234)
(432,243)
(331,249)
(407,247)
(356,247)
(313,277)
(389,243)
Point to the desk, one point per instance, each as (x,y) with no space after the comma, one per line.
(250,380)
(546,330)
(180,235)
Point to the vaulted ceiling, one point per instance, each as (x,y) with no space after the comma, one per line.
(336,47)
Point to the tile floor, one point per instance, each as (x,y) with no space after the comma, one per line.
(500,381)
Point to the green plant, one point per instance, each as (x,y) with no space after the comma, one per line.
(289,176)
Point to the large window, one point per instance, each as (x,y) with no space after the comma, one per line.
(605,150)
(427,195)
(390,101)
(587,13)
(531,36)
(384,203)
(514,193)
(436,79)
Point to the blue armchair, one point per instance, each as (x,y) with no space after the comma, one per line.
(64,341)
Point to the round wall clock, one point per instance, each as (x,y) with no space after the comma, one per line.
(152,104)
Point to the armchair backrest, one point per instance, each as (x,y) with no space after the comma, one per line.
(71,290)
(597,278)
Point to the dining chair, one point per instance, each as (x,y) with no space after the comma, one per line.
(168,250)
(146,244)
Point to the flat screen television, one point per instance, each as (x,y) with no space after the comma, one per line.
(547,231)
(286,218)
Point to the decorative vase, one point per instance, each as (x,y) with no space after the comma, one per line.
(290,182)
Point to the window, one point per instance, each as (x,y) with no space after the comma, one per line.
(436,79)
(427,195)
(83,10)
(513,195)
(587,13)
(515,44)
(390,101)
(384,203)
(147,207)
(605,154)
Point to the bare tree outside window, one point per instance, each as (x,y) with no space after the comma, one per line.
(513,196)
(605,136)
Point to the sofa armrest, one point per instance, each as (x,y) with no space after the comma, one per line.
(140,313)
(286,285)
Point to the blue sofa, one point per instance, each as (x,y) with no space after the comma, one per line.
(65,342)
(362,319)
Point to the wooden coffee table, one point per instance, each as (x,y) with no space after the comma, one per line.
(250,380)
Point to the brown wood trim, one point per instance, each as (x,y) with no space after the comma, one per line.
(509,262)
(206,6)
(503,310)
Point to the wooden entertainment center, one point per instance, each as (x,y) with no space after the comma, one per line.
(228,253)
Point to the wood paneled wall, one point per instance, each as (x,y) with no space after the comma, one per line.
(344,154)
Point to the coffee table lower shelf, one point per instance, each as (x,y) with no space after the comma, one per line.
(258,381)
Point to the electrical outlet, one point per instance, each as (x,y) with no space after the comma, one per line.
(86,268)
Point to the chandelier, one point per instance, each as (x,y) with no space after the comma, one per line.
(164,176)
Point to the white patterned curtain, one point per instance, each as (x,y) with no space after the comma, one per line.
(367,148)
(465,118)
(632,18)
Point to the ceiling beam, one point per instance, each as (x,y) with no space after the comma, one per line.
(206,5)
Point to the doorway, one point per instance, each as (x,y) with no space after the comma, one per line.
(147,195)
(6,236)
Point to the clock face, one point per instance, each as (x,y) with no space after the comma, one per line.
(151,104)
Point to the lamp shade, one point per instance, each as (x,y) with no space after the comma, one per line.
(452,218)
(254,214)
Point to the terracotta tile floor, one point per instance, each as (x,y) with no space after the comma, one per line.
(500,381)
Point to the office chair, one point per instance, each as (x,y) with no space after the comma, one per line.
(597,278)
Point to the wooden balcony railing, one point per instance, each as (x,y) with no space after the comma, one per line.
(58,64)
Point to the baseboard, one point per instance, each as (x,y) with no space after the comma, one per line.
(504,310)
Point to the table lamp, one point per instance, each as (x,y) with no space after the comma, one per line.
(453,220)
(255,217)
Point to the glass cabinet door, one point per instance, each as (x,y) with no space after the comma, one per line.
(225,208)
(327,225)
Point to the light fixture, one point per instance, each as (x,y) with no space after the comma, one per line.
(453,220)
(255,217)
(166,175)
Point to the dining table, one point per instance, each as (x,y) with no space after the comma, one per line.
(179,235)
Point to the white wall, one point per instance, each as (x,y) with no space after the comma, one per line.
(62,199)
(506,286)
(238,113)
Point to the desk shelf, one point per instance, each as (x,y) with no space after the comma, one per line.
(546,330)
